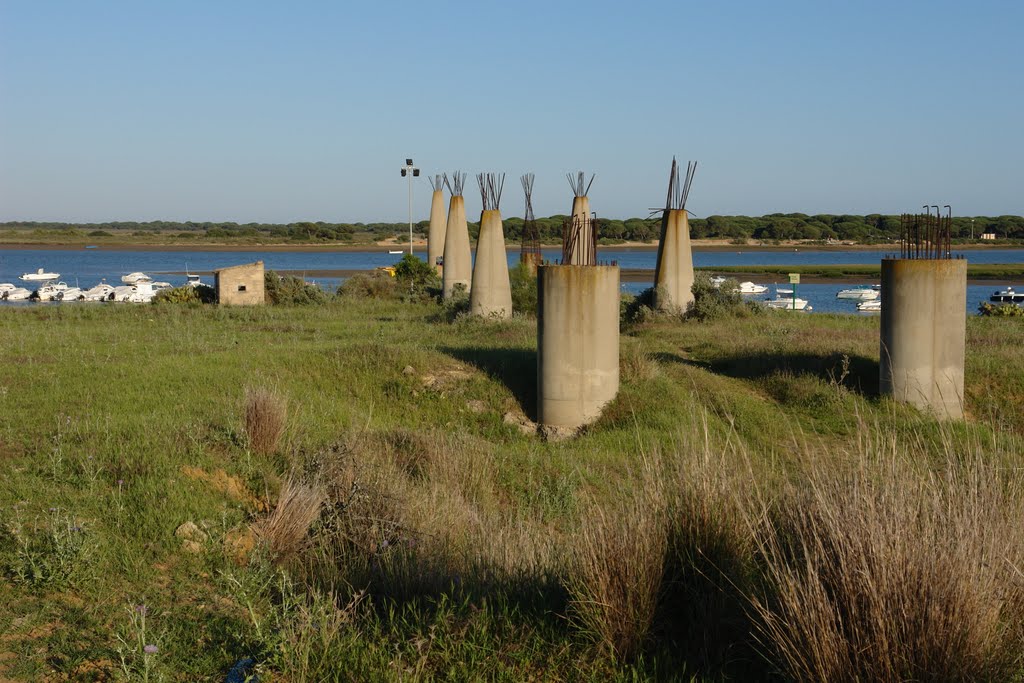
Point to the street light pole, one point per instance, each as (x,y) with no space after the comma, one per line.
(412,172)
(972,229)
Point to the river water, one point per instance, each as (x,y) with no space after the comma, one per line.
(86,267)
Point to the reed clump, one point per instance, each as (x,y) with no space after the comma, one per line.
(266,416)
(286,529)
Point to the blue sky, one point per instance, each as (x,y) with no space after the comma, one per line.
(274,111)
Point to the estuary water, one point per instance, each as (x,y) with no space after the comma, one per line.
(87,267)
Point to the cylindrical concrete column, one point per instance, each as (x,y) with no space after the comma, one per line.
(492,293)
(673,275)
(531,261)
(923,333)
(436,232)
(458,259)
(581,214)
(577,343)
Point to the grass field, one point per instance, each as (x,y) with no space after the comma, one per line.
(403,524)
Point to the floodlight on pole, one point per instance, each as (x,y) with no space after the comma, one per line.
(412,172)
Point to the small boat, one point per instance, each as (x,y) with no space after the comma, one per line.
(1008,295)
(859,293)
(132,278)
(100,292)
(6,287)
(783,291)
(751,288)
(870,305)
(16,294)
(395,251)
(71,294)
(717,281)
(121,292)
(142,293)
(39,276)
(788,303)
(195,281)
(51,291)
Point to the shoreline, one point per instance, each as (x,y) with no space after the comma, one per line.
(696,245)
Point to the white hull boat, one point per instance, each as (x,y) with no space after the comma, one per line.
(100,292)
(51,292)
(788,303)
(132,278)
(122,292)
(39,276)
(142,293)
(858,293)
(71,294)
(751,288)
(873,305)
(17,294)
(1008,295)
(5,287)
(717,281)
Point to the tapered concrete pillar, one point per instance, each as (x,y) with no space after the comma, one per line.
(492,293)
(585,243)
(458,268)
(436,232)
(673,275)
(577,343)
(923,333)
(531,261)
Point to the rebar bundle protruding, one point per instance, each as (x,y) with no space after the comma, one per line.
(579,186)
(531,235)
(927,235)
(455,183)
(490,185)
(437,182)
(678,192)
(574,231)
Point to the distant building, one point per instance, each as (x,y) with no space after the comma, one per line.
(988,235)
(240,285)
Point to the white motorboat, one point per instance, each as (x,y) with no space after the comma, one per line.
(100,292)
(71,294)
(871,305)
(122,292)
(859,293)
(751,288)
(195,281)
(6,287)
(788,303)
(51,291)
(17,294)
(39,276)
(1008,295)
(142,293)
(717,281)
(132,278)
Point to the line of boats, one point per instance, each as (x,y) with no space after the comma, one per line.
(135,288)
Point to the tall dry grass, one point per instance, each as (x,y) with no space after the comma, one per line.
(285,530)
(894,571)
(618,566)
(265,419)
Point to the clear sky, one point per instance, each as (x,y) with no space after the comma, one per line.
(280,111)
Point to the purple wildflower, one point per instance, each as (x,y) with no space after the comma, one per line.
(141,609)
(150,649)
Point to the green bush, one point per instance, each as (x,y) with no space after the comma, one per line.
(186,295)
(712,303)
(291,291)
(637,309)
(100,233)
(1001,310)
(524,290)
(374,285)
(417,277)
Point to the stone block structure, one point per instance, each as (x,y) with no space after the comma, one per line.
(240,285)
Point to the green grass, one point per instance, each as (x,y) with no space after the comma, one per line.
(120,423)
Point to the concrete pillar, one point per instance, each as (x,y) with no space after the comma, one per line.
(923,334)
(458,259)
(673,275)
(492,293)
(436,232)
(577,343)
(531,261)
(581,212)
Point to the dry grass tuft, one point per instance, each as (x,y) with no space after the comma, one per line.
(266,415)
(618,567)
(285,530)
(896,573)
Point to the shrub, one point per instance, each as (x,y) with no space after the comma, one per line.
(375,285)
(291,290)
(712,303)
(1005,310)
(524,289)
(285,530)
(417,277)
(100,233)
(637,309)
(186,295)
(266,414)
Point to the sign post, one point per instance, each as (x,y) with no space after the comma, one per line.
(794,279)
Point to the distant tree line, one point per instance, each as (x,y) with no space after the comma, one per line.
(775,226)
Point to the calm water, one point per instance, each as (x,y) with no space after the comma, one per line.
(86,267)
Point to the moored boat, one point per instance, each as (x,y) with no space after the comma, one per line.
(1008,295)
(16,294)
(871,305)
(132,278)
(51,291)
(70,294)
(864,293)
(751,288)
(100,292)
(38,276)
